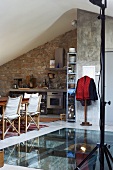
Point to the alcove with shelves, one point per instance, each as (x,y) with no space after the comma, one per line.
(71,86)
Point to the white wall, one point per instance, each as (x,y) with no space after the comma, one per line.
(109,87)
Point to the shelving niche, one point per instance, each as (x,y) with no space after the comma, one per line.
(71,86)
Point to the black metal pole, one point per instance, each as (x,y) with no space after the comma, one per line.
(102,99)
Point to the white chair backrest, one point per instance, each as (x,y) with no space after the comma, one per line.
(13,105)
(35,94)
(33,104)
(26,96)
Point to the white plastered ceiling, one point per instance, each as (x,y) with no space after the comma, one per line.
(27,24)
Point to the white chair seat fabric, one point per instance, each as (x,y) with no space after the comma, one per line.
(12,117)
(32,114)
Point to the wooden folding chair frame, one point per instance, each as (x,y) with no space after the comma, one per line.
(11,123)
(29,117)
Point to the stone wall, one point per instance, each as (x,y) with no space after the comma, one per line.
(35,61)
(88,54)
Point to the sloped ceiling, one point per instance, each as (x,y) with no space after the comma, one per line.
(26,24)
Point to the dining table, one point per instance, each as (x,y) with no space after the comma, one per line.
(3,102)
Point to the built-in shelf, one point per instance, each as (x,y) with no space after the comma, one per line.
(56,69)
(71,87)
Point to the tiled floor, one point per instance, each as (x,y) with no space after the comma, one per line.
(53,126)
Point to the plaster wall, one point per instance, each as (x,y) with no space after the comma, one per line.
(88,54)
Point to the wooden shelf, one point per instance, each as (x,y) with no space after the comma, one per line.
(56,69)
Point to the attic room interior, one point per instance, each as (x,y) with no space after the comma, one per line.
(47,51)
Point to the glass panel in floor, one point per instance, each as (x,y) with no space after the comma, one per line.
(60,150)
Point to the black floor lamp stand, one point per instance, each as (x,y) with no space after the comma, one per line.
(103,148)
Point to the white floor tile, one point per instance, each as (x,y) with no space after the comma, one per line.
(11,167)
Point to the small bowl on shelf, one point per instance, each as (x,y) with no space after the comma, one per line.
(72,59)
(72,86)
(72,50)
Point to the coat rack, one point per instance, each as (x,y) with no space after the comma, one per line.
(86,90)
(85,123)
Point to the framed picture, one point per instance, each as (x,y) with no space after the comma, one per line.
(52,63)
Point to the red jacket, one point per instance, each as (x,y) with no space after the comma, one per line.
(82,90)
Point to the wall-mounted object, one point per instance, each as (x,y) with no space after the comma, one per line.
(59,58)
(52,63)
(74,23)
(51,75)
(88,71)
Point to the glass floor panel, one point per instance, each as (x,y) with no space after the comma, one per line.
(63,149)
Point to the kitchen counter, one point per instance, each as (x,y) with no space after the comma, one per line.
(45,99)
(37,90)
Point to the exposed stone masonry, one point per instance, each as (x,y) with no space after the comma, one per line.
(35,61)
